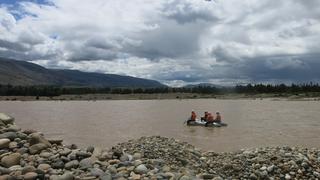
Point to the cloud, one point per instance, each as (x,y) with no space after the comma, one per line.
(174,41)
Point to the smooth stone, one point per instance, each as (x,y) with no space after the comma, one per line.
(13,128)
(217,178)
(44,167)
(16,168)
(36,138)
(185,177)
(135,176)
(96,172)
(65,176)
(124,158)
(287,176)
(141,169)
(72,164)
(4,170)
(59,164)
(30,176)
(207,176)
(45,154)
(82,154)
(106,176)
(13,145)
(27,169)
(37,148)
(11,160)
(90,149)
(136,156)
(9,135)
(6,119)
(253,176)
(4,143)
(85,163)
(270,168)
(65,152)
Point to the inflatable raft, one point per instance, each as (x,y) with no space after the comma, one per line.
(203,123)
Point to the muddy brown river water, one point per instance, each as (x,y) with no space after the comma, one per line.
(252,123)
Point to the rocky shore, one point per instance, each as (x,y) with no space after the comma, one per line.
(27,154)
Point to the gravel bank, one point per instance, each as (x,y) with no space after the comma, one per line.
(27,154)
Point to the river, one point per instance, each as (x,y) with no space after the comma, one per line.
(251,123)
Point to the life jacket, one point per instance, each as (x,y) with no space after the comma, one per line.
(210,117)
(193,116)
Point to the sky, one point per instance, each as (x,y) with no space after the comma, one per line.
(176,42)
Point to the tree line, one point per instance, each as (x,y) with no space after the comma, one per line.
(10,90)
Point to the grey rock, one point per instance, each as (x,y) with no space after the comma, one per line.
(65,176)
(253,176)
(185,177)
(207,176)
(13,145)
(270,168)
(90,149)
(36,138)
(27,169)
(72,164)
(96,172)
(65,152)
(9,135)
(11,160)
(106,176)
(37,148)
(85,163)
(4,170)
(287,176)
(4,143)
(217,178)
(15,168)
(6,119)
(58,164)
(141,169)
(30,176)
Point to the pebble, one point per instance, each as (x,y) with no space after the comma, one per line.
(30,176)
(141,169)
(37,148)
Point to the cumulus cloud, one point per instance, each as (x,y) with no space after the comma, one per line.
(173,41)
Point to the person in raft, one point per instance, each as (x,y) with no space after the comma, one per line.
(218,118)
(210,119)
(193,117)
(205,117)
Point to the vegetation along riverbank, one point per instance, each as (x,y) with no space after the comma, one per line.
(29,93)
(27,154)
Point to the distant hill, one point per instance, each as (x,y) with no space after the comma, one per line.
(25,73)
(203,85)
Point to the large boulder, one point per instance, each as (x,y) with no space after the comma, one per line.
(5,119)
(11,160)
(36,138)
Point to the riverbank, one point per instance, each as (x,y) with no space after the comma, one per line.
(94,97)
(27,154)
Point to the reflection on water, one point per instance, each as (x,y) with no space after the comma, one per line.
(252,123)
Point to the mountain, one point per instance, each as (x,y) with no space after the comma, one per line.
(25,73)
